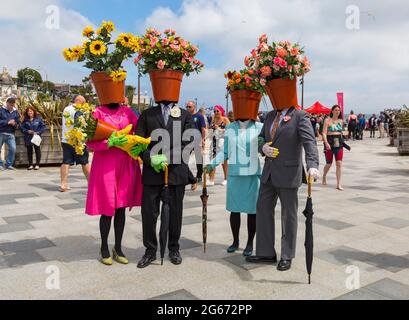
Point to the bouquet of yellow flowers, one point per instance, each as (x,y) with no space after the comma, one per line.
(85,127)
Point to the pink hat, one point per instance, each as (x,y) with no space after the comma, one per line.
(220,108)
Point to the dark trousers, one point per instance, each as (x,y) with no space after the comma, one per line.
(151,199)
(199,171)
(30,154)
(372,130)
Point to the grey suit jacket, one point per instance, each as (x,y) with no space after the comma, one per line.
(291,136)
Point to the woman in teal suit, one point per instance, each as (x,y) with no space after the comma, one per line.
(243,182)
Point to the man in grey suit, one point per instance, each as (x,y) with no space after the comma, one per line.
(284,135)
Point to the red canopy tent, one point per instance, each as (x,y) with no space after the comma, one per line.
(318,108)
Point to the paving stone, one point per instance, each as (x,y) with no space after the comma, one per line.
(19,259)
(25,218)
(240,261)
(26,245)
(363,200)
(15,227)
(333,224)
(176,295)
(192,204)
(343,255)
(390,288)
(362,294)
(403,200)
(189,220)
(186,244)
(389,262)
(45,186)
(395,223)
(72,206)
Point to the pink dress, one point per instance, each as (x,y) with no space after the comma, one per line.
(115,179)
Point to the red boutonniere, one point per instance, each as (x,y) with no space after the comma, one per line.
(287,118)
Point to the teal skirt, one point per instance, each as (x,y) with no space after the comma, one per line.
(242,193)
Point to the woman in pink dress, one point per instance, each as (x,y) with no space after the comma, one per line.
(115,181)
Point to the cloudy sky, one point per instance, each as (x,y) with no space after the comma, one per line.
(367,58)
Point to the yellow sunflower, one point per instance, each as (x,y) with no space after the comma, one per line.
(108,26)
(118,76)
(67,55)
(134,44)
(99,30)
(88,31)
(77,52)
(97,47)
(125,39)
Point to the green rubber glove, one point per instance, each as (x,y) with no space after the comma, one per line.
(159,162)
(115,141)
(209,168)
(137,149)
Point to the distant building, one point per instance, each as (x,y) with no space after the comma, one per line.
(8,86)
(145,99)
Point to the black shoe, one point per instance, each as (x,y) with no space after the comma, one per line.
(284,265)
(258,259)
(175,257)
(146,260)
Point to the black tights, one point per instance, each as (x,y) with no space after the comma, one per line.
(105,226)
(235,219)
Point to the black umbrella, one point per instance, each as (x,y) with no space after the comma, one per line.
(164,218)
(309,238)
(205,198)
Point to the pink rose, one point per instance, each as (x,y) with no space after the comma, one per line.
(254,53)
(154,41)
(263,82)
(263,38)
(165,42)
(161,64)
(280,62)
(195,49)
(184,43)
(246,61)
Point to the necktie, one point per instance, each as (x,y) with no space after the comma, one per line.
(166,111)
(275,125)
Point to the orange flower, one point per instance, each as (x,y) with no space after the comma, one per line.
(281,52)
(231,82)
(238,81)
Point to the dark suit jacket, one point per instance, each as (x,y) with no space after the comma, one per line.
(286,171)
(151,120)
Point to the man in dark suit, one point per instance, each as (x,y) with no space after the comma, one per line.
(166,125)
(284,135)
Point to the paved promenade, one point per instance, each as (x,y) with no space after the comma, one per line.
(361,241)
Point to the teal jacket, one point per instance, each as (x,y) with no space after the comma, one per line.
(241,149)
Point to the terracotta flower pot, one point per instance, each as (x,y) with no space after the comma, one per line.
(108,91)
(282,93)
(245,104)
(103,131)
(166,84)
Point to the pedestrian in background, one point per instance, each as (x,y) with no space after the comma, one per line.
(218,125)
(70,158)
(372,125)
(352,124)
(9,121)
(381,125)
(200,125)
(32,125)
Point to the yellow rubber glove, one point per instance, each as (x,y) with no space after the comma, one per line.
(132,141)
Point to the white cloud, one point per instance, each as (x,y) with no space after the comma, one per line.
(26,40)
(368,64)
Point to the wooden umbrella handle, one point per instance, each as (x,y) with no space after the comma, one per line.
(309,180)
(204,178)
(166,175)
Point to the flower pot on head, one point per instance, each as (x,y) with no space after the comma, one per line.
(245,104)
(103,131)
(282,93)
(108,91)
(166,84)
